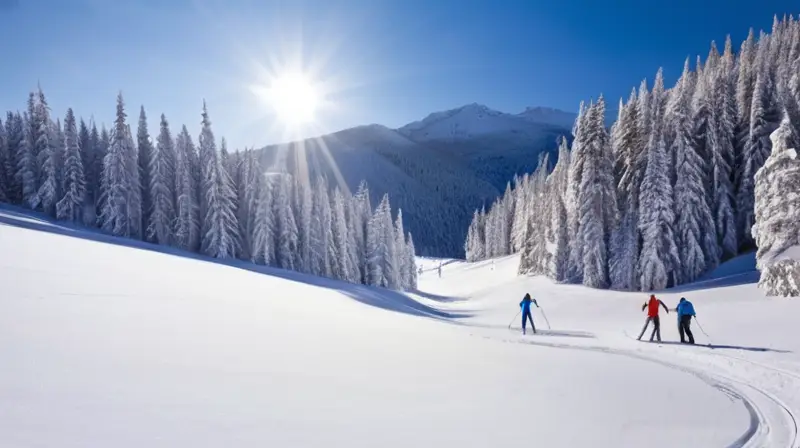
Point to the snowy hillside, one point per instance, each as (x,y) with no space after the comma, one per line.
(437,182)
(548,115)
(107,345)
(473,120)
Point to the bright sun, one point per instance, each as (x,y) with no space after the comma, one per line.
(294,98)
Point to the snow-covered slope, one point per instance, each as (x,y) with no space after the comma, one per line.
(107,345)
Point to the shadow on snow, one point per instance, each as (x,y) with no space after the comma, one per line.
(368,295)
(724,347)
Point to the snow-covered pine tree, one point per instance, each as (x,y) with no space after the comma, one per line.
(718,143)
(285,226)
(262,240)
(320,230)
(362,216)
(135,197)
(777,221)
(219,228)
(246,193)
(411,264)
(117,182)
(509,205)
(557,197)
(519,225)
(354,262)
(577,160)
(47,186)
(380,247)
(57,141)
(69,207)
(27,169)
(694,226)
(228,172)
(745,82)
(14,131)
(764,119)
(144,154)
(659,257)
(597,206)
(5,164)
(160,225)
(534,257)
(88,154)
(187,210)
(626,137)
(304,203)
(480,247)
(470,244)
(341,262)
(101,141)
(401,251)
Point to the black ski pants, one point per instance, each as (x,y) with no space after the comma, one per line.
(683,327)
(656,328)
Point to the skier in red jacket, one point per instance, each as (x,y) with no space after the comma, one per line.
(652,315)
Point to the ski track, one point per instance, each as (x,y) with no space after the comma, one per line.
(772,422)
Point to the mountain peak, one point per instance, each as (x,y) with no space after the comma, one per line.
(463,122)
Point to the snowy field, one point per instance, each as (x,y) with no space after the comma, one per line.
(106,345)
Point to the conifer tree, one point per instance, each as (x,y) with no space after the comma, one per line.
(777,205)
(401,251)
(161,177)
(694,227)
(15,136)
(339,237)
(219,227)
(659,256)
(262,241)
(118,184)
(69,208)
(145,153)
(285,226)
(187,209)
(597,206)
(5,165)
(47,187)
(764,118)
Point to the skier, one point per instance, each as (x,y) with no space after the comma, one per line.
(652,315)
(685,311)
(440,270)
(526,311)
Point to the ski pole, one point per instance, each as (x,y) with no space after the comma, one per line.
(701,328)
(515,316)
(545,318)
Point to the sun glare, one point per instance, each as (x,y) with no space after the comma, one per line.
(294,98)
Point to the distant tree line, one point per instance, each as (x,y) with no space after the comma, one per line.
(196,197)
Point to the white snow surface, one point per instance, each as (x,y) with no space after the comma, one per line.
(105,345)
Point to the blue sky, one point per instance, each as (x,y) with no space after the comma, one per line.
(387,62)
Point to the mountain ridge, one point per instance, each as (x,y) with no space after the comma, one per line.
(437,169)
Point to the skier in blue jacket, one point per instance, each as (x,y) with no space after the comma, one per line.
(685,311)
(526,311)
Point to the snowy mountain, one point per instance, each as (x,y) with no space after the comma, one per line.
(211,353)
(548,115)
(436,170)
(473,120)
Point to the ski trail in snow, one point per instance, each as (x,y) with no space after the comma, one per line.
(772,421)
